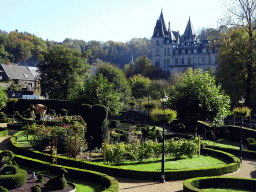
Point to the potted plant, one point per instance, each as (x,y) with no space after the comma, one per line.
(166,115)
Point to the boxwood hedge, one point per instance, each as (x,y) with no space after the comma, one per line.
(198,184)
(136,174)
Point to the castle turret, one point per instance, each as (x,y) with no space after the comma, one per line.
(189,33)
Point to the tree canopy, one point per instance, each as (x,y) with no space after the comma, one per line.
(62,69)
(117,77)
(198,97)
(232,71)
(99,91)
(3,97)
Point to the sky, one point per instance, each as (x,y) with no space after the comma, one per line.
(104,20)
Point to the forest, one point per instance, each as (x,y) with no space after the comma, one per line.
(16,47)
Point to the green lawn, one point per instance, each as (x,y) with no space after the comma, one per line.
(223,143)
(81,185)
(174,164)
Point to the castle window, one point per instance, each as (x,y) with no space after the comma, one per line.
(157,53)
(182,60)
(168,62)
(164,51)
(165,63)
(189,61)
(189,52)
(157,42)
(176,61)
(183,52)
(199,60)
(179,52)
(157,63)
(168,51)
(203,60)
(195,51)
(176,52)
(186,51)
(194,60)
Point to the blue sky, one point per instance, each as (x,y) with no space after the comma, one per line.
(103,20)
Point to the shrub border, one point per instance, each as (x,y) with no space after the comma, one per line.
(14,180)
(191,185)
(135,174)
(4,133)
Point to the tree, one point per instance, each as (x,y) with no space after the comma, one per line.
(99,91)
(117,77)
(139,85)
(138,67)
(3,97)
(198,97)
(233,61)
(243,15)
(61,70)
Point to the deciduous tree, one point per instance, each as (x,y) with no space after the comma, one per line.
(198,97)
(61,70)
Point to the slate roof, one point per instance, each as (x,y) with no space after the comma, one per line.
(17,72)
(34,71)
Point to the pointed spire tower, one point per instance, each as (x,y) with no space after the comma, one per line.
(160,29)
(189,33)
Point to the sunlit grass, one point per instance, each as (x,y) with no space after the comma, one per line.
(224,143)
(174,164)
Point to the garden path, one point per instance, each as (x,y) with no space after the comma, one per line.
(247,170)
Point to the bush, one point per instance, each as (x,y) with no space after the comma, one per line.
(36,188)
(2,189)
(59,182)
(52,112)
(250,140)
(64,112)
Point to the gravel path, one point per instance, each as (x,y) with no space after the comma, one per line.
(247,170)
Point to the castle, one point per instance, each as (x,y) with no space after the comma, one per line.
(173,52)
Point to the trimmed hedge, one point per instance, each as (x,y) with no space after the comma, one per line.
(14,181)
(197,184)
(4,132)
(136,174)
(92,176)
(236,152)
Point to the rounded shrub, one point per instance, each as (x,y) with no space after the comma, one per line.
(59,182)
(36,188)
(14,181)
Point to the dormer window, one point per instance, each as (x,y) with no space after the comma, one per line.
(157,34)
(157,43)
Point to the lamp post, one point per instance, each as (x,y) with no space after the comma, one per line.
(241,101)
(148,102)
(163,99)
(13,95)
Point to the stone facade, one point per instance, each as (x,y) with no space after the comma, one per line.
(173,52)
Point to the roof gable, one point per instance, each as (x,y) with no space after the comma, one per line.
(17,72)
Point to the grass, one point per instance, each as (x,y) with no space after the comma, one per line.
(224,143)
(81,185)
(174,164)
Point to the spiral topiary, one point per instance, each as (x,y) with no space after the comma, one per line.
(59,182)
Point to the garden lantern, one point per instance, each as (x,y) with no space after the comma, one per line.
(163,99)
(241,101)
